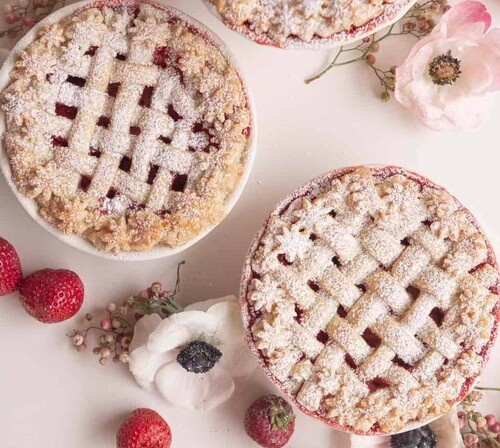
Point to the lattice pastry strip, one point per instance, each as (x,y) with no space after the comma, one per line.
(436,247)
(381,245)
(151,124)
(428,366)
(385,287)
(377,363)
(282,366)
(344,244)
(366,312)
(339,287)
(109,141)
(439,340)
(438,283)
(360,267)
(347,337)
(102,182)
(320,314)
(89,111)
(420,310)
(410,264)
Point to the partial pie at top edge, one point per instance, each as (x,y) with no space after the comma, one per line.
(308,23)
(371,298)
(128,125)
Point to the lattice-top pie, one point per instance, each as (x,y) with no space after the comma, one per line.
(371,298)
(288,23)
(128,125)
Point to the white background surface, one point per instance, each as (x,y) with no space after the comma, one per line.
(53,397)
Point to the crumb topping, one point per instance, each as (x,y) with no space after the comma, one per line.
(282,20)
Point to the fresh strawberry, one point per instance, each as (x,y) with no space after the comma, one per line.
(51,295)
(10,268)
(144,428)
(270,421)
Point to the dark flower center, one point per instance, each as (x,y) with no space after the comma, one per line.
(418,438)
(198,357)
(445,69)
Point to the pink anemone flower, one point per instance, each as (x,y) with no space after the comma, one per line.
(449,75)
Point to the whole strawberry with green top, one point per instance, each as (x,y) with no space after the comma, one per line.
(144,428)
(270,421)
(10,268)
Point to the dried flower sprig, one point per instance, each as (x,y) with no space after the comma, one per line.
(116,329)
(478,431)
(155,300)
(418,22)
(25,13)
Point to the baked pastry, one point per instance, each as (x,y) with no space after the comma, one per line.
(292,23)
(128,125)
(371,298)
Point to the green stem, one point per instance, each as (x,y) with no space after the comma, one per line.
(488,388)
(327,69)
(385,35)
(491,439)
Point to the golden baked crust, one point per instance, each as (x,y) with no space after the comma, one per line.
(129,127)
(279,20)
(371,298)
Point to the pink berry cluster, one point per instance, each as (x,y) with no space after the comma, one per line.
(478,430)
(115,333)
(116,328)
(25,13)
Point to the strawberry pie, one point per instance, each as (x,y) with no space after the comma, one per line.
(292,23)
(370,297)
(128,125)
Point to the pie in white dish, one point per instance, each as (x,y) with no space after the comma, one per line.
(308,23)
(371,298)
(128,125)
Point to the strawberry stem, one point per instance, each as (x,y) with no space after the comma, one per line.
(280,417)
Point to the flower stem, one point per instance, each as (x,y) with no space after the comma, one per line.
(418,22)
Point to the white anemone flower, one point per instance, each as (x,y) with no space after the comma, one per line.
(192,358)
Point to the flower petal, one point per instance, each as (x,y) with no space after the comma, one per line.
(447,430)
(144,364)
(237,360)
(206,304)
(229,323)
(369,442)
(180,329)
(491,49)
(413,70)
(201,392)
(476,77)
(143,328)
(460,20)
(470,112)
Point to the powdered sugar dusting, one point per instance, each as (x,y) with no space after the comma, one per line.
(101,95)
(410,307)
(310,24)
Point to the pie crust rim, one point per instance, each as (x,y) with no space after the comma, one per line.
(388,18)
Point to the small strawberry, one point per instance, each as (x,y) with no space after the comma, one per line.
(51,295)
(270,421)
(144,428)
(10,268)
